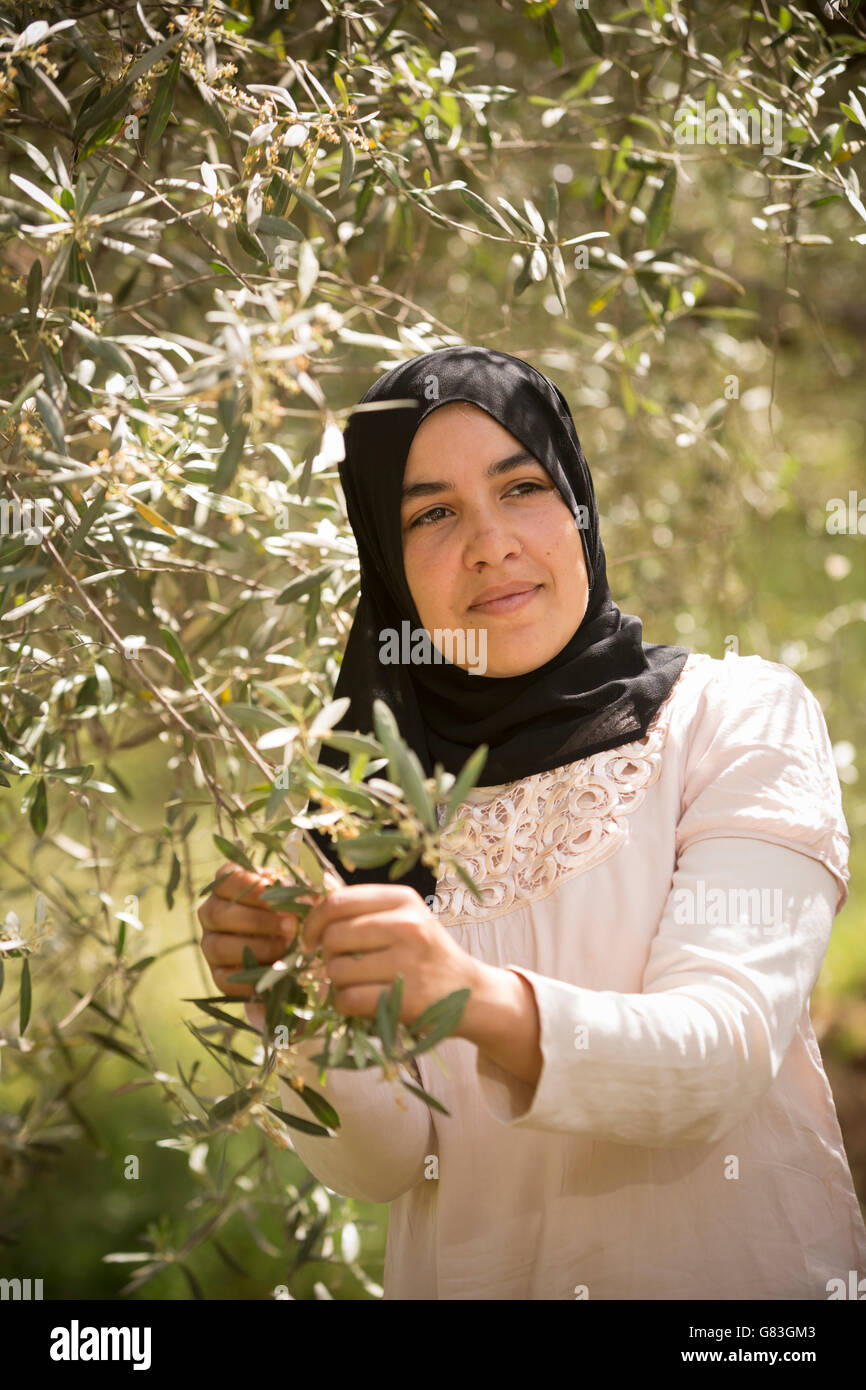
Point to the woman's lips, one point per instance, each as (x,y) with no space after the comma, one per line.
(509,604)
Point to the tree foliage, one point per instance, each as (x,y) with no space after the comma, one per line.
(219,222)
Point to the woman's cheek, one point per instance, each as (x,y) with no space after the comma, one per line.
(427,577)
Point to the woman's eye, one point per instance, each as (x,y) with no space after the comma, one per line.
(426,517)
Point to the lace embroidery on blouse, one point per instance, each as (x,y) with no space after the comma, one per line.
(520,840)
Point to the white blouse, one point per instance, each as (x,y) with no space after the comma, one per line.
(670,902)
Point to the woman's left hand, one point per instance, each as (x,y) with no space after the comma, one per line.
(396,934)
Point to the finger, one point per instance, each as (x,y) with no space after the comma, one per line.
(358,1001)
(357,935)
(371,968)
(352,901)
(219,915)
(241,885)
(221,974)
(220,948)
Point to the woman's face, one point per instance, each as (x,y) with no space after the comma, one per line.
(466,532)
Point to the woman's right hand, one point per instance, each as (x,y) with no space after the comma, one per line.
(234,916)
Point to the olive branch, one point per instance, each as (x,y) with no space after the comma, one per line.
(359,814)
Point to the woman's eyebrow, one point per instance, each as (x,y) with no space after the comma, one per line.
(505,465)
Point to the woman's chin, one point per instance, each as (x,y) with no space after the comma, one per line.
(515,662)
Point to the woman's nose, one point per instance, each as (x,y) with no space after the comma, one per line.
(489,541)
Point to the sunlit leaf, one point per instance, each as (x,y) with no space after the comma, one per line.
(232,852)
(175,649)
(153,517)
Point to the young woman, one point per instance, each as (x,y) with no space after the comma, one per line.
(638,1107)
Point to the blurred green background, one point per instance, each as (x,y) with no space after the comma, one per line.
(710,352)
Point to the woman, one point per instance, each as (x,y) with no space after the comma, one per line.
(638,1107)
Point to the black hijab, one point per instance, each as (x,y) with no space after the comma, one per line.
(601,690)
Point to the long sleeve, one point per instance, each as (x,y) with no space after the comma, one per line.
(685,1060)
(762,834)
(379,1151)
